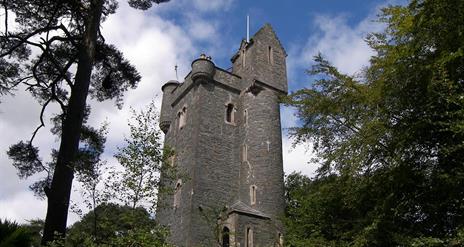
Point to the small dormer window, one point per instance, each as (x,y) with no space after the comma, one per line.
(230,112)
(270,55)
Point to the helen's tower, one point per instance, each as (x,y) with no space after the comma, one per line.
(224,128)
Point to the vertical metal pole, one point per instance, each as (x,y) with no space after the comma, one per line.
(248,29)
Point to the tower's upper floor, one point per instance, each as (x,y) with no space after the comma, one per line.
(260,61)
(262,58)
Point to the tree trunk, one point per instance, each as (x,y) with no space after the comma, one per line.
(60,190)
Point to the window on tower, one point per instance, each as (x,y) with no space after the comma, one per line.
(225,237)
(249,237)
(230,112)
(244,153)
(245,117)
(182,115)
(243,58)
(270,55)
(253,194)
(172,160)
(177,193)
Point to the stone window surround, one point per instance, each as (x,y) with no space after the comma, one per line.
(249,236)
(177,193)
(280,238)
(270,55)
(225,233)
(253,191)
(232,112)
(182,117)
(244,153)
(172,160)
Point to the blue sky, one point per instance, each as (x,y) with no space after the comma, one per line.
(176,33)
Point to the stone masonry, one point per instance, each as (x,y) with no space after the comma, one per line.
(224,128)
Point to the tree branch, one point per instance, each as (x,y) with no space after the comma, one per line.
(6,17)
(42,124)
(24,40)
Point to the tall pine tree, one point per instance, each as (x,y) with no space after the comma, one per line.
(59,54)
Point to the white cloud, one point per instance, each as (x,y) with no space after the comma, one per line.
(200,29)
(343,45)
(21,207)
(155,45)
(212,5)
(297,158)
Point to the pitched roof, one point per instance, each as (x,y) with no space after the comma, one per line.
(242,208)
(266,28)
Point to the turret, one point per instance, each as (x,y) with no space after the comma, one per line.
(203,68)
(167,115)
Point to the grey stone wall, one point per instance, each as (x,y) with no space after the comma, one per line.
(209,149)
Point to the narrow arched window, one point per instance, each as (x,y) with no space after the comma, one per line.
(243,58)
(244,153)
(172,160)
(270,55)
(253,194)
(281,240)
(225,237)
(177,193)
(245,117)
(249,237)
(230,113)
(182,117)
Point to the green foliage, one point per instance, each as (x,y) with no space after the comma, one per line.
(58,54)
(35,227)
(141,161)
(14,235)
(116,226)
(390,142)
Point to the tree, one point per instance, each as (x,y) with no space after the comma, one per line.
(60,56)
(393,137)
(117,226)
(12,234)
(141,161)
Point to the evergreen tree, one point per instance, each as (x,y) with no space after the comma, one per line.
(117,226)
(390,143)
(59,55)
(12,234)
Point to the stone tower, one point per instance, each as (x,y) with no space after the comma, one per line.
(224,128)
